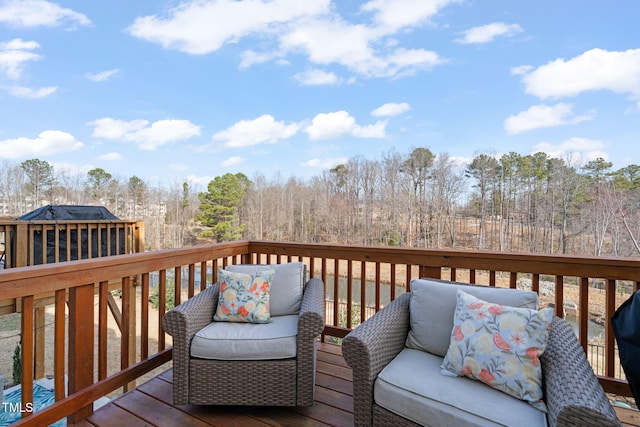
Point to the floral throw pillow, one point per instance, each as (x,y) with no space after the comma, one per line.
(499,346)
(244,297)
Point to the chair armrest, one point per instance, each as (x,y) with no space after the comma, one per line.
(572,392)
(311,320)
(370,347)
(182,323)
(192,315)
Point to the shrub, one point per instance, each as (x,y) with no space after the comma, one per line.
(17,365)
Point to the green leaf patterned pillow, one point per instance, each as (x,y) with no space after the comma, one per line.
(244,297)
(499,346)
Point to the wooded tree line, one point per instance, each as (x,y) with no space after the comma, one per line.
(520,203)
(168,213)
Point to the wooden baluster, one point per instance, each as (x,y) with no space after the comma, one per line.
(191,280)
(610,341)
(162,306)
(535,283)
(336,286)
(392,290)
(377,302)
(27,342)
(513,280)
(144,317)
(363,291)
(203,275)
(124,342)
(583,328)
(177,285)
(559,293)
(349,292)
(39,342)
(59,335)
(103,329)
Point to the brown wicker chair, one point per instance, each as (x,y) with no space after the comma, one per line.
(573,395)
(281,382)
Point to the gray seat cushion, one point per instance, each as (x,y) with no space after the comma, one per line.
(433,303)
(285,296)
(413,387)
(247,341)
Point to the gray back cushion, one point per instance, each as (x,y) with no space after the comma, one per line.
(287,285)
(433,303)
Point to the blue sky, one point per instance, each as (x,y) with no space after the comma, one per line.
(189,90)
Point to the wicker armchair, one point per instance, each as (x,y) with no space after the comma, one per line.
(277,382)
(573,395)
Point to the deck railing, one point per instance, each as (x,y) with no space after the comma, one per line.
(25,243)
(387,272)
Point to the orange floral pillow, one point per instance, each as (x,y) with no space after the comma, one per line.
(244,297)
(499,346)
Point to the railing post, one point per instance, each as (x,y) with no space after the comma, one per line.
(21,248)
(81,343)
(610,341)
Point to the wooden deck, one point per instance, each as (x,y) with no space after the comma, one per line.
(150,404)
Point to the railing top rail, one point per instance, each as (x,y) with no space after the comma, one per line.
(70,221)
(21,281)
(587,266)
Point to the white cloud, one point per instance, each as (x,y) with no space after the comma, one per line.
(232,161)
(542,116)
(521,70)
(251,57)
(264,129)
(391,109)
(37,13)
(145,136)
(48,143)
(14,54)
(199,27)
(596,69)
(324,163)
(341,124)
(487,33)
(26,92)
(316,77)
(585,149)
(110,156)
(198,180)
(68,169)
(292,27)
(101,76)
(335,41)
(393,15)
(406,62)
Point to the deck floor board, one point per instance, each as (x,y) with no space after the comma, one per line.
(151,404)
